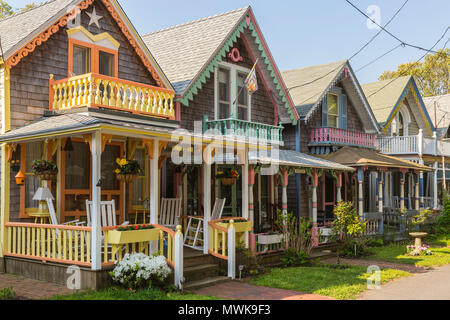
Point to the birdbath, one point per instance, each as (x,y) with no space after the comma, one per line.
(418,236)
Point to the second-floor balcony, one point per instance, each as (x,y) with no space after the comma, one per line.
(328,136)
(413,145)
(99,91)
(244,129)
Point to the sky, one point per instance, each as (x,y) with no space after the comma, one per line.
(304,33)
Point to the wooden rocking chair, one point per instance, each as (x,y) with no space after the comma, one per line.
(108,214)
(195,226)
(169,215)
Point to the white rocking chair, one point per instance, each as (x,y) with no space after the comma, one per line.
(108,214)
(169,215)
(195,226)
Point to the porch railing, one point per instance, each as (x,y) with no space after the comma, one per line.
(244,129)
(94,90)
(341,137)
(398,145)
(374,224)
(62,244)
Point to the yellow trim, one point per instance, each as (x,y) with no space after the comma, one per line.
(94,38)
(6,105)
(4,213)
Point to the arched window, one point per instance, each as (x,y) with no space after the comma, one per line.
(401,131)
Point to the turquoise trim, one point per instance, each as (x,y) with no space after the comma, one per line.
(201,79)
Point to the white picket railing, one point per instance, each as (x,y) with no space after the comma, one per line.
(413,145)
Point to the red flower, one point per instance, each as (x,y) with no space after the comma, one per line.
(136,227)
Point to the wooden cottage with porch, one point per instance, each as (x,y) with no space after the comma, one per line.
(81,89)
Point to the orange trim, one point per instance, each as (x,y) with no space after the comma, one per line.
(11,149)
(62,22)
(217,255)
(44,259)
(47,226)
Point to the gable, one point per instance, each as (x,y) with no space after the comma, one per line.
(217,35)
(49,18)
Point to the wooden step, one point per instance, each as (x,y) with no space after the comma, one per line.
(207,282)
(198,260)
(200,272)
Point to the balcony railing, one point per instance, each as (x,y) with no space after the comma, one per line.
(327,136)
(417,145)
(99,91)
(244,129)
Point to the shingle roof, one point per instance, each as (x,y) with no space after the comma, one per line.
(17,28)
(442,110)
(384,101)
(296,159)
(183,50)
(305,92)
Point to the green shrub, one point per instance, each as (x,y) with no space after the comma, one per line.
(7,294)
(294,258)
(444,219)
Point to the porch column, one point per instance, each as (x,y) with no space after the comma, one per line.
(402,189)
(417,193)
(5,187)
(421,186)
(275,191)
(251,183)
(154,182)
(245,192)
(360,192)
(380,191)
(206,203)
(315,231)
(339,187)
(435,186)
(284,184)
(96,233)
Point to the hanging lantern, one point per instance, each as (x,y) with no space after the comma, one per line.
(68,147)
(20,178)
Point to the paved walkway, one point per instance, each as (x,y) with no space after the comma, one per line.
(432,285)
(236,290)
(31,289)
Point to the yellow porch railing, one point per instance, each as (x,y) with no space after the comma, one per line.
(62,244)
(99,91)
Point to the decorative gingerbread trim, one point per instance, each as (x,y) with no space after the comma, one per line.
(235,55)
(61,23)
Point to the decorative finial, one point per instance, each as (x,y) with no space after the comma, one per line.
(179,229)
(51,76)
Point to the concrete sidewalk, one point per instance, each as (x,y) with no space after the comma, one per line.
(433,285)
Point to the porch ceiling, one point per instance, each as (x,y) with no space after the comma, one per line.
(358,157)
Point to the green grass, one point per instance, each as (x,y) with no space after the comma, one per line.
(342,284)
(123,294)
(397,254)
(442,240)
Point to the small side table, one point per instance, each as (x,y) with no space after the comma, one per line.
(41,217)
(144,212)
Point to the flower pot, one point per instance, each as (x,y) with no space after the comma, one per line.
(268,239)
(228,181)
(47,176)
(239,227)
(116,237)
(127,178)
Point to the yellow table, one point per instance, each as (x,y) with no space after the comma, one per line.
(141,211)
(41,217)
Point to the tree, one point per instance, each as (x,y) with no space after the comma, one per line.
(5,9)
(432,75)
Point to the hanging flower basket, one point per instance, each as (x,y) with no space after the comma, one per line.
(45,170)
(127,178)
(228,181)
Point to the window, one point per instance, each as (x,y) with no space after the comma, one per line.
(81,60)
(333,111)
(401,130)
(32,152)
(232,97)
(242,101)
(106,63)
(224,94)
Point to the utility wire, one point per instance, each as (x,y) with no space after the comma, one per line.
(376,59)
(355,54)
(387,31)
(412,65)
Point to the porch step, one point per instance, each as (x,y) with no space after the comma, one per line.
(207,282)
(200,272)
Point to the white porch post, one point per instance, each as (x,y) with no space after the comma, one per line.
(402,190)
(417,193)
(251,183)
(178,258)
(154,175)
(231,251)
(435,185)
(96,234)
(339,187)
(245,211)
(380,191)
(360,192)
(206,203)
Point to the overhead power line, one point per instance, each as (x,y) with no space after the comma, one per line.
(387,31)
(378,58)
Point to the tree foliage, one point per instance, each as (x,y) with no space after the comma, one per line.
(432,75)
(7,10)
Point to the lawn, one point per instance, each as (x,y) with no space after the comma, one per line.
(397,254)
(123,294)
(339,283)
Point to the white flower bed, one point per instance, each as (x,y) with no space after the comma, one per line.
(138,270)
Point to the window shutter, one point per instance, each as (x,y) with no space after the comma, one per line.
(343,111)
(325,111)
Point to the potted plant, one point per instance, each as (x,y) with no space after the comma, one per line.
(240,226)
(44,169)
(127,170)
(133,234)
(228,176)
